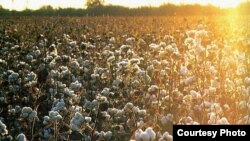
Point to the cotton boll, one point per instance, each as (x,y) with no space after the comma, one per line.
(247,81)
(3,129)
(166,137)
(222,121)
(155,47)
(75,85)
(151,133)
(21,137)
(183,70)
(59,105)
(112,40)
(108,135)
(153,89)
(145,136)
(138,135)
(142,112)
(88,119)
(46,120)
(128,107)
(130,40)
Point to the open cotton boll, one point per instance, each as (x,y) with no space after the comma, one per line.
(130,40)
(145,136)
(54,115)
(166,137)
(3,129)
(75,85)
(138,135)
(151,133)
(247,81)
(222,121)
(155,47)
(21,137)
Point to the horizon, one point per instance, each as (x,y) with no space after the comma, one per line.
(20,5)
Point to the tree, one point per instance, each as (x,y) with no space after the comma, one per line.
(94,3)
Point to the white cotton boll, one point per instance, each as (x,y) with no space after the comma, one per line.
(156,62)
(170,49)
(26,111)
(60,84)
(21,137)
(155,47)
(138,135)
(183,70)
(105,91)
(108,135)
(123,64)
(191,33)
(242,105)
(74,65)
(3,128)
(130,40)
(136,109)
(163,93)
(69,92)
(166,137)
(195,94)
(75,85)
(112,40)
(13,77)
(189,120)
(212,118)
(53,73)
(212,90)
(145,136)
(88,119)
(73,43)
(46,120)
(151,133)
(74,127)
(195,123)
(212,70)
(33,114)
(59,105)
(189,42)
(29,57)
(134,61)
(247,81)
(111,59)
(222,121)
(163,73)
(65,73)
(140,123)
(163,44)
(164,120)
(142,112)
(153,89)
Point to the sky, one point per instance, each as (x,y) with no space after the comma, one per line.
(36,4)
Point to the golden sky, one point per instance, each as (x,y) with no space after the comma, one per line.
(35,4)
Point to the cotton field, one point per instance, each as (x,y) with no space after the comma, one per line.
(121,78)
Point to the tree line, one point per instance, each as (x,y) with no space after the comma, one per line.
(113,10)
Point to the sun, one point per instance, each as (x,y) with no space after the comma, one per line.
(225,3)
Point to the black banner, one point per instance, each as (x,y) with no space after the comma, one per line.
(211,132)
